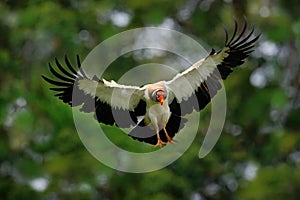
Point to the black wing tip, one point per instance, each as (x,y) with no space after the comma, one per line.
(226,34)
(45,78)
(240,45)
(243,40)
(69,77)
(241,37)
(64,79)
(78,60)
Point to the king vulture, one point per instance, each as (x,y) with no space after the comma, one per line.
(160,104)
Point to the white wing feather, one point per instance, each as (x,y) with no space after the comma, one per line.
(116,95)
(184,84)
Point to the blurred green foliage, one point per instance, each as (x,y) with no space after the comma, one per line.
(42,157)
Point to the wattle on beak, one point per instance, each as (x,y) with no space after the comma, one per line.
(161,99)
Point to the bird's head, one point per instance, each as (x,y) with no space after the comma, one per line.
(159,95)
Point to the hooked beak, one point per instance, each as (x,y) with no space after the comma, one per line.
(161,99)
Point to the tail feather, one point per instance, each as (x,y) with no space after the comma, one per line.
(147,134)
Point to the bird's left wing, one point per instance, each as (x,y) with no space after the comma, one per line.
(106,99)
(201,80)
(116,95)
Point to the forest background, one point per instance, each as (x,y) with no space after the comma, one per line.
(257,155)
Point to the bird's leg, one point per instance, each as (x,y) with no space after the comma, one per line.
(159,141)
(170,140)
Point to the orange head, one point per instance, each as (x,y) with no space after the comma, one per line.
(159,95)
(161,99)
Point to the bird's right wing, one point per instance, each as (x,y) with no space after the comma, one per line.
(106,99)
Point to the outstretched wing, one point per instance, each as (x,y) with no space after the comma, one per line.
(117,96)
(194,87)
(112,103)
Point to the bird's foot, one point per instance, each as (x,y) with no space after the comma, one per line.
(159,143)
(170,140)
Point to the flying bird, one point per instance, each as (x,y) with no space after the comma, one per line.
(154,111)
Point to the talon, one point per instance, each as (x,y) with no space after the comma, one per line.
(159,143)
(170,140)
